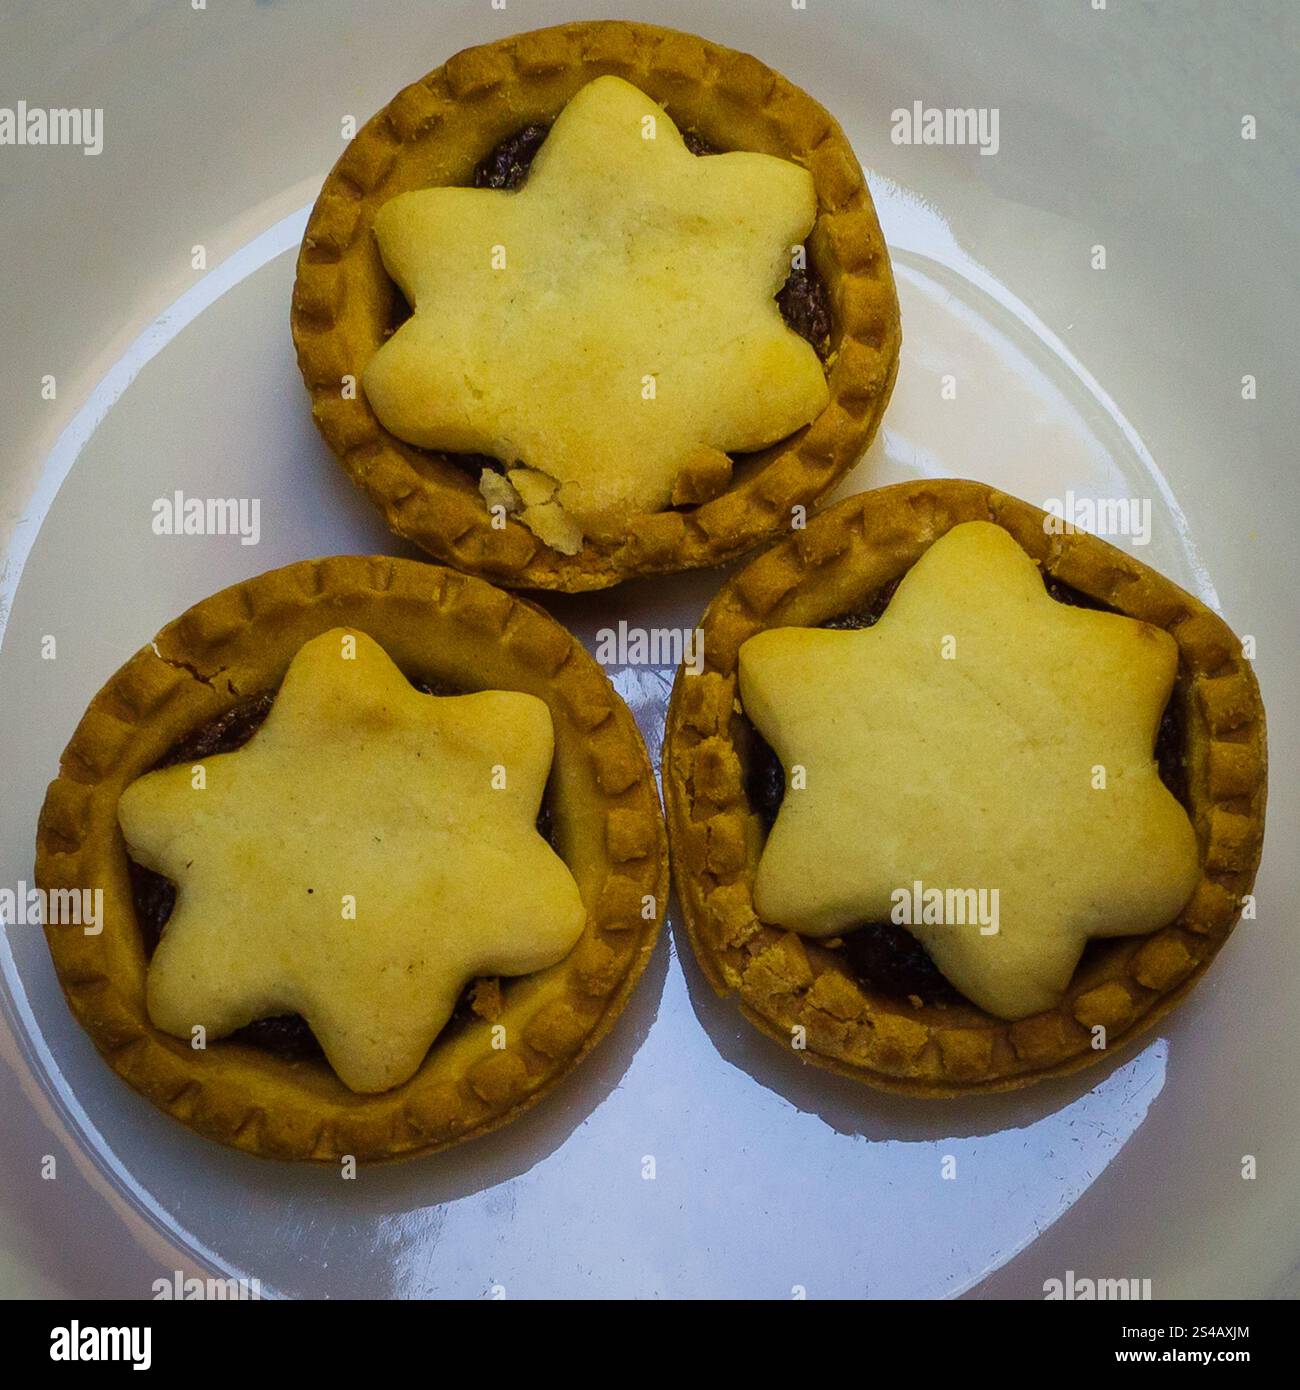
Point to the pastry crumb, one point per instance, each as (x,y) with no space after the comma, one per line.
(498,492)
(485,999)
(542,514)
(529,495)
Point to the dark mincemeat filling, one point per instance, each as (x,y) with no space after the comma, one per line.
(288,1036)
(508,164)
(803,300)
(884,956)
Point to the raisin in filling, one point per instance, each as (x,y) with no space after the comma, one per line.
(803,300)
(508,165)
(884,956)
(287,1036)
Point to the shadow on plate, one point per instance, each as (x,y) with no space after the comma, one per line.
(852,1108)
(469,1168)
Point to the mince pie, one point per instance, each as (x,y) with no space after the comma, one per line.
(958,801)
(596,301)
(381,857)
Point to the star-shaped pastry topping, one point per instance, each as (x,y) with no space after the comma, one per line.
(609,324)
(981,736)
(370,851)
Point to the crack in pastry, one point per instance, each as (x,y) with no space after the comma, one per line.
(602,321)
(486,117)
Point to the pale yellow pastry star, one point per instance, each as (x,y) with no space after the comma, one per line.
(369,851)
(980,736)
(610,323)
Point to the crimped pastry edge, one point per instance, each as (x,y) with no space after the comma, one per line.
(843,556)
(434,132)
(434,623)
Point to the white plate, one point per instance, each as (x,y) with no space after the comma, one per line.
(1119,127)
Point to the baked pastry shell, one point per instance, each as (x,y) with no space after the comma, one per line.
(434,133)
(836,565)
(438,626)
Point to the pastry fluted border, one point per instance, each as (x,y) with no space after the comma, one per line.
(433,133)
(437,625)
(789,987)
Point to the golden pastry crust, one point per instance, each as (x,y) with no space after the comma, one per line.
(438,626)
(434,133)
(836,565)
(919,744)
(371,925)
(605,343)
